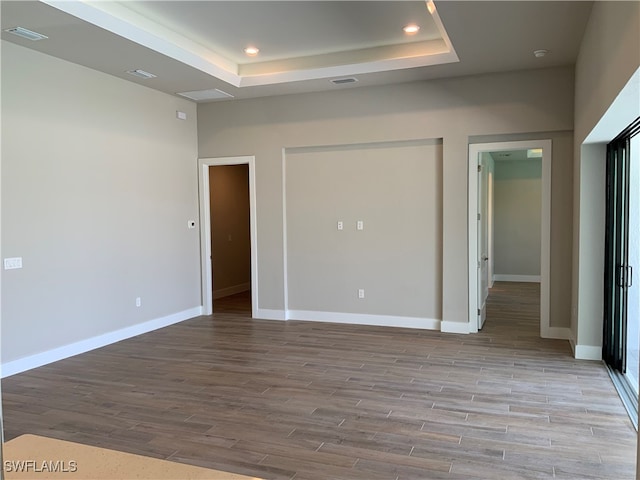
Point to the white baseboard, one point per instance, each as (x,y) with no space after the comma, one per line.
(364,319)
(586,352)
(454,327)
(268,314)
(499,277)
(39,359)
(560,333)
(225,292)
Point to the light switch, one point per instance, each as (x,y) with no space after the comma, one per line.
(12,263)
(360,225)
(181,115)
(340,225)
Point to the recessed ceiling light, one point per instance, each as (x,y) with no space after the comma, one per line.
(411,29)
(141,74)
(540,53)
(24,33)
(251,51)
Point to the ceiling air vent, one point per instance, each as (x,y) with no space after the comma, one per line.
(202,95)
(342,81)
(141,74)
(24,33)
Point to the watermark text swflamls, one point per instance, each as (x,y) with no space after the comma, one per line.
(40,466)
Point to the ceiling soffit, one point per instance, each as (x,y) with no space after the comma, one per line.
(198,50)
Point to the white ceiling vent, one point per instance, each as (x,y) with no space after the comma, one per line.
(24,33)
(342,81)
(141,74)
(201,95)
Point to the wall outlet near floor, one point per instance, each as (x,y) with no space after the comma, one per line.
(138,301)
(361,293)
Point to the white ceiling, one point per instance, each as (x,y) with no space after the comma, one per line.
(194,46)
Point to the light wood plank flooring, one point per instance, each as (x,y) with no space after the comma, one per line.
(317,401)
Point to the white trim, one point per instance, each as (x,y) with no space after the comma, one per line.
(225,292)
(269,314)
(455,327)
(133,26)
(545,254)
(285,258)
(559,333)
(205,228)
(587,352)
(39,359)
(364,319)
(500,277)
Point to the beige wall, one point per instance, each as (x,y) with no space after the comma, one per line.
(230,229)
(540,102)
(395,189)
(609,56)
(517,217)
(98,183)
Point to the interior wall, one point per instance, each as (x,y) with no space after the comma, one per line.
(452,109)
(230,229)
(609,56)
(517,217)
(98,183)
(395,189)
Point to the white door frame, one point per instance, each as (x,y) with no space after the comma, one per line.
(205,229)
(545,255)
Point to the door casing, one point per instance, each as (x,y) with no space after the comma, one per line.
(546,331)
(205,229)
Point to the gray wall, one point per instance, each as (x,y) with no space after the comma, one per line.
(98,183)
(396,190)
(454,110)
(609,56)
(517,217)
(230,232)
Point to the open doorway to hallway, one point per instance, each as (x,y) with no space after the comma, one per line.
(509,223)
(224,205)
(511,202)
(230,232)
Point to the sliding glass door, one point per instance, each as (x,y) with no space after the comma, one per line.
(622,251)
(633,292)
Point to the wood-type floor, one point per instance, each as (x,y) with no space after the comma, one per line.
(318,401)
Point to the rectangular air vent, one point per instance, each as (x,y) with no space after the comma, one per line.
(24,33)
(141,74)
(202,95)
(341,81)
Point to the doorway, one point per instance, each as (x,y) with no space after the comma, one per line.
(484,241)
(230,231)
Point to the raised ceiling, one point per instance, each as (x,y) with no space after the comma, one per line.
(198,46)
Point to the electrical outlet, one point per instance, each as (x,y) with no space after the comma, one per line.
(340,225)
(138,301)
(360,225)
(361,293)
